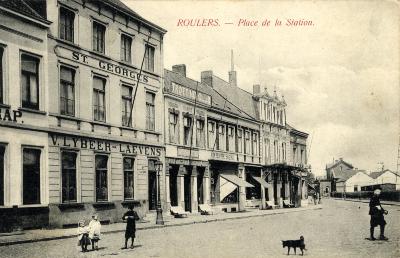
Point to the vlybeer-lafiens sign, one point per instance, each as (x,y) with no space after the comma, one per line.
(103,145)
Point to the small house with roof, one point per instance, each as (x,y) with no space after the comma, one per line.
(386,177)
(352,180)
(334,169)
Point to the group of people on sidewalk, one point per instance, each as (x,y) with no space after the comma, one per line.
(91,234)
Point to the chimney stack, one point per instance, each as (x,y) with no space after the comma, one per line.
(232,73)
(180,68)
(256,89)
(207,78)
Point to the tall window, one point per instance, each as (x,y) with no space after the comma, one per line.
(30,81)
(99,109)
(1,76)
(128,178)
(211,135)
(247,142)
(265,111)
(66,24)
(231,139)
(187,130)
(173,127)
(240,140)
(294,156)
(255,144)
(67,91)
(126,45)
(2,151)
(267,151)
(149,58)
(68,165)
(101,178)
(150,111)
(126,104)
(99,31)
(200,136)
(31,176)
(221,137)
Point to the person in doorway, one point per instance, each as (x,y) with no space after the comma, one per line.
(94,231)
(130,216)
(376,212)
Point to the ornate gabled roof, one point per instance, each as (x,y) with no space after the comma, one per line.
(337,162)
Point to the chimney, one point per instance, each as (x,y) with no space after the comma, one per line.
(180,68)
(207,78)
(232,73)
(256,89)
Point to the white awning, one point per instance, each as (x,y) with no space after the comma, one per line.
(261,181)
(236,180)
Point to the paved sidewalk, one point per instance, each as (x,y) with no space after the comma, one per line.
(28,236)
(367,201)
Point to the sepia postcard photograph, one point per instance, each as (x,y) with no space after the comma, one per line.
(204,129)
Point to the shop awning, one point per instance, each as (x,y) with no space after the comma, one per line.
(261,181)
(236,180)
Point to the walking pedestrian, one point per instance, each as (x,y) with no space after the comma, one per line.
(376,212)
(83,235)
(130,216)
(94,231)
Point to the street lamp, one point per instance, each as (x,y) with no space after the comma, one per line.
(159,166)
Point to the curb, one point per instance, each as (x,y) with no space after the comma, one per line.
(16,242)
(366,201)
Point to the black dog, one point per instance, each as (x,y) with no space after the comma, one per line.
(294,244)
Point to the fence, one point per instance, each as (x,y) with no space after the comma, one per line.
(385,196)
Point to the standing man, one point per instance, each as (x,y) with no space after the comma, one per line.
(376,212)
(130,217)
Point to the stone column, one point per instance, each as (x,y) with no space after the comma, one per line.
(287,188)
(263,205)
(206,186)
(167,194)
(242,190)
(300,191)
(193,186)
(278,193)
(181,186)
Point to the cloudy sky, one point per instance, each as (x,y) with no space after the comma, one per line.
(340,77)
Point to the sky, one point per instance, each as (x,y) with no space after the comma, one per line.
(340,75)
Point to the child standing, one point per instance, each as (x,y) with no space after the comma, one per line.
(94,231)
(130,217)
(83,235)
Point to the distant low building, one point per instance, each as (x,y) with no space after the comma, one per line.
(352,181)
(386,177)
(334,171)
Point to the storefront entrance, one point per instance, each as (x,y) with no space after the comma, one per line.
(200,177)
(187,193)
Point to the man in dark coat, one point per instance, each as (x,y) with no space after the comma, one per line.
(130,216)
(376,212)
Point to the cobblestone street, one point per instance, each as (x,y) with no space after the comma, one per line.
(337,230)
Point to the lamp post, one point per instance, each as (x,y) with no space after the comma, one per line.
(159,167)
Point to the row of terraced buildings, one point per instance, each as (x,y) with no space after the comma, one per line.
(87,110)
